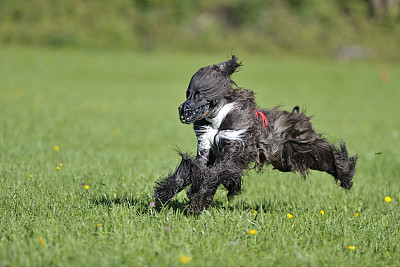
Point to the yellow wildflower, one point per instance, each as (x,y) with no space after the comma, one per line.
(252,232)
(57,148)
(388,199)
(19,93)
(357,214)
(322,212)
(185,259)
(98,225)
(60,164)
(255,213)
(30,176)
(116,132)
(86,187)
(57,168)
(289,215)
(123,178)
(351,247)
(105,106)
(41,239)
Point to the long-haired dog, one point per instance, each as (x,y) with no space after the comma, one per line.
(233,135)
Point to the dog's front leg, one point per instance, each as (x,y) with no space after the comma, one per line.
(227,169)
(203,193)
(204,185)
(175,182)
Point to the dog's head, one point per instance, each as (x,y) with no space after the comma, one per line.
(206,91)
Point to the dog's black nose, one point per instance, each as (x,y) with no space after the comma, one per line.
(186,112)
(189,113)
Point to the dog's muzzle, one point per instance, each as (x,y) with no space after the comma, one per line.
(189,113)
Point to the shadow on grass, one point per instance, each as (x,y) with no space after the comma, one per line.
(241,205)
(143,205)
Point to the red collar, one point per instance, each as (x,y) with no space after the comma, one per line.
(264,119)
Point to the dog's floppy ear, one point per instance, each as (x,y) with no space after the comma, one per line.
(229,66)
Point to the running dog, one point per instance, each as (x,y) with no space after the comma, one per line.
(234,134)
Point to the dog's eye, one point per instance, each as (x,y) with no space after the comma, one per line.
(197,95)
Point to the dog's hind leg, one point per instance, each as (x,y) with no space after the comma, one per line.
(318,155)
(175,182)
(343,167)
(294,145)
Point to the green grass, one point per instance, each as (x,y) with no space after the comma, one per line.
(114,114)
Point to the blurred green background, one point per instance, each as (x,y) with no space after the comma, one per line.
(356,29)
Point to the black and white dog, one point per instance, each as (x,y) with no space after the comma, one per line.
(233,135)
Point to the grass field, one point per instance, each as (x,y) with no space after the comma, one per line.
(110,118)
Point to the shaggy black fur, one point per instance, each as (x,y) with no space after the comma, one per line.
(234,135)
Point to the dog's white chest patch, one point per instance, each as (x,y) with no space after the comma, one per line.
(208,136)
